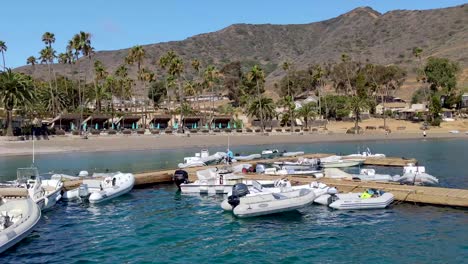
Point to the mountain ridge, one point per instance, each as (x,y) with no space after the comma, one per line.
(362,33)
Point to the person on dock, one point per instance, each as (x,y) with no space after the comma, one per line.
(424,133)
(230,156)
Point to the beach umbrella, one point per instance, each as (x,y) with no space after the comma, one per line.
(136,126)
(219,125)
(113,126)
(96,126)
(151,125)
(157,126)
(195,125)
(72,126)
(235,125)
(229,125)
(213,125)
(84,126)
(133,125)
(206,126)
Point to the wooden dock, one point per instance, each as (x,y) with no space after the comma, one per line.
(403,193)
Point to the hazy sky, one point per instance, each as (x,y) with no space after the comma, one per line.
(117,24)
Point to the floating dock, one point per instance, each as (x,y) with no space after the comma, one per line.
(403,193)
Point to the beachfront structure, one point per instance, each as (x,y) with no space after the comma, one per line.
(160,121)
(206,98)
(192,122)
(394,107)
(222,121)
(464,101)
(447,114)
(68,122)
(98,122)
(411,113)
(128,122)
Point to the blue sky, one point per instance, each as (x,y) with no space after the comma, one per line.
(117,24)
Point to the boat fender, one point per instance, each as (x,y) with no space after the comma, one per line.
(179,177)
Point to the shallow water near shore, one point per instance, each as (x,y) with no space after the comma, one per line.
(161,225)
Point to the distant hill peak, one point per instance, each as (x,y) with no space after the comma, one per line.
(366,10)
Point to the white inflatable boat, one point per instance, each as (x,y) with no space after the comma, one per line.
(416,175)
(293,154)
(365,154)
(211,181)
(341,163)
(100,190)
(202,159)
(247,157)
(353,201)
(280,185)
(265,203)
(18,218)
(46,193)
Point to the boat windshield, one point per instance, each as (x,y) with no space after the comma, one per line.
(24,174)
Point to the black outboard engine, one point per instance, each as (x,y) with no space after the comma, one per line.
(238,190)
(180,176)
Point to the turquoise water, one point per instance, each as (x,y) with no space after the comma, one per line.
(160,225)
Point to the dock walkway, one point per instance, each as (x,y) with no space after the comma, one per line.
(403,193)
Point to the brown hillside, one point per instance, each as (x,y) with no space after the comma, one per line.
(363,33)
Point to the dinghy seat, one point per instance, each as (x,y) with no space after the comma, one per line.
(278,196)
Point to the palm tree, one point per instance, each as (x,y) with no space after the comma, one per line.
(121,74)
(417,53)
(15,91)
(257,76)
(47,56)
(211,76)
(356,104)
(48,38)
(198,87)
(101,93)
(286,67)
(262,107)
(3,49)
(289,104)
(110,84)
(82,44)
(345,59)
(306,112)
(136,55)
(31,60)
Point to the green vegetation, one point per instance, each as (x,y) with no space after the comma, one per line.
(341,90)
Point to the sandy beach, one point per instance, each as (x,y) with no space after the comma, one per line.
(63,144)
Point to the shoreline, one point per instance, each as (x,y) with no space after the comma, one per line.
(113,143)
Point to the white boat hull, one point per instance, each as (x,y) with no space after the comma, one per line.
(202,188)
(271,203)
(124,184)
(341,163)
(29,219)
(352,201)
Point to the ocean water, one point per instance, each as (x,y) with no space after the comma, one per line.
(161,225)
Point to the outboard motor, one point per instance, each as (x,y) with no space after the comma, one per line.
(332,192)
(83,191)
(180,176)
(260,168)
(238,190)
